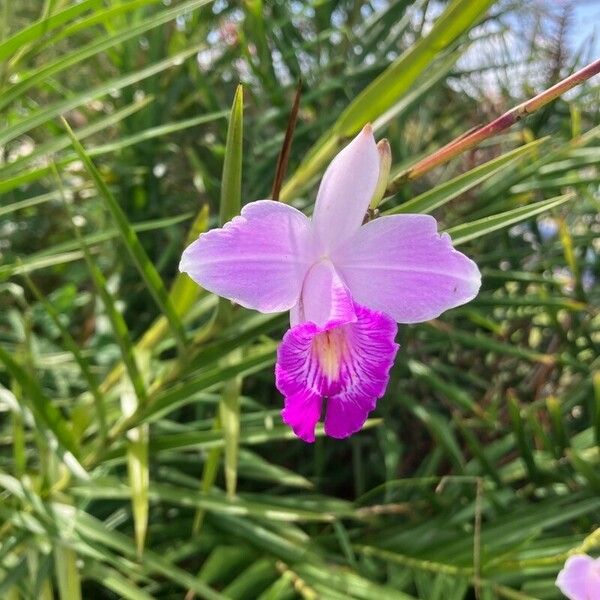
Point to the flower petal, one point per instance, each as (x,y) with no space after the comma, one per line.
(298,379)
(259,259)
(346,190)
(573,580)
(349,364)
(324,300)
(370,353)
(402,266)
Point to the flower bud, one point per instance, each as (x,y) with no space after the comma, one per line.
(385,164)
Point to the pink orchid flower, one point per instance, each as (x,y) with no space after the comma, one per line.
(580,578)
(345,284)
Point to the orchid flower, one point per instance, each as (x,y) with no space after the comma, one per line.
(345,283)
(580,578)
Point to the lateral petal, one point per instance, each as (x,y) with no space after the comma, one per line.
(258,259)
(402,266)
(346,190)
(574,580)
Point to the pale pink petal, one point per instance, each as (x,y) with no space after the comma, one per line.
(402,266)
(347,364)
(295,314)
(324,299)
(346,190)
(594,580)
(258,260)
(576,580)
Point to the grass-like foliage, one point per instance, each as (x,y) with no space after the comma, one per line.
(142,453)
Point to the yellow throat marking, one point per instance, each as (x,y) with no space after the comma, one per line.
(330,347)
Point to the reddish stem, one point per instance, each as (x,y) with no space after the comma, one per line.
(508,119)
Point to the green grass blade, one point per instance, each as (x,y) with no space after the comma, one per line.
(67,573)
(137,457)
(391,85)
(396,80)
(117,321)
(231,200)
(58,143)
(35,30)
(231,180)
(57,108)
(46,415)
(470,231)
(97,46)
(229,410)
(443,193)
(72,347)
(93,530)
(131,241)
(115,581)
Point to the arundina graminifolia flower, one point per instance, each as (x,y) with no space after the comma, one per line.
(345,284)
(580,578)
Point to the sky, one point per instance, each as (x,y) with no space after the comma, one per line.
(586,22)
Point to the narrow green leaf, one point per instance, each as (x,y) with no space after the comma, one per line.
(137,456)
(67,573)
(57,108)
(65,252)
(47,416)
(272,508)
(254,466)
(117,321)
(95,531)
(391,85)
(425,85)
(470,231)
(58,143)
(98,45)
(587,469)
(378,96)
(442,432)
(523,439)
(131,241)
(114,581)
(169,399)
(229,409)
(231,199)
(453,392)
(44,25)
(110,233)
(443,193)
(559,433)
(231,179)
(209,476)
(72,346)
(183,294)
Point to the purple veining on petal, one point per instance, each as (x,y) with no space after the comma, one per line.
(345,285)
(298,378)
(259,259)
(403,267)
(348,364)
(365,371)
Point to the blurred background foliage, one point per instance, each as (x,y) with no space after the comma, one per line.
(128,405)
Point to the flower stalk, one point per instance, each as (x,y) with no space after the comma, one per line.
(505,121)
